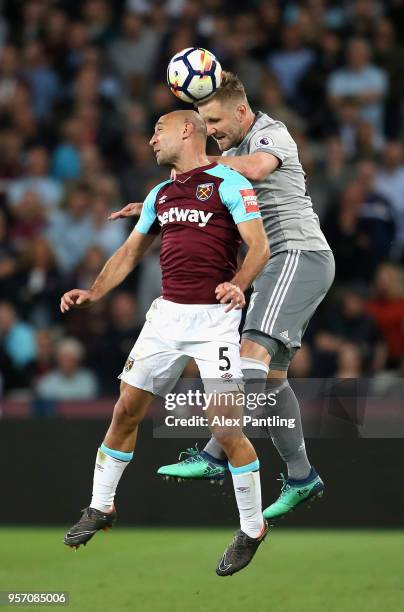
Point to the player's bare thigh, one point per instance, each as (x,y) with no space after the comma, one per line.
(253,350)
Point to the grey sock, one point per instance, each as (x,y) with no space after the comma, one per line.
(254,382)
(213,448)
(289,442)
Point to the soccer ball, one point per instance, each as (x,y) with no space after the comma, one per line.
(194,74)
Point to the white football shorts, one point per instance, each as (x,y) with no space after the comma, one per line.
(173,334)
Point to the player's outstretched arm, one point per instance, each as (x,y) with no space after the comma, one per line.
(117,268)
(133,209)
(253,234)
(255,167)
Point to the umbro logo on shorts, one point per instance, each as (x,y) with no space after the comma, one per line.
(185,214)
(227,376)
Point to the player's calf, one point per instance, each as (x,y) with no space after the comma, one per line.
(129,411)
(113,456)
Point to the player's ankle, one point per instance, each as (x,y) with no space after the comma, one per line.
(254,529)
(102,507)
(214,459)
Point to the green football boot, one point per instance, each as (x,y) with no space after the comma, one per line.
(294,493)
(197,466)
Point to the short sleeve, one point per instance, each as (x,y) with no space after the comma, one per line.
(238,195)
(274,140)
(147,221)
(335,84)
(378,81)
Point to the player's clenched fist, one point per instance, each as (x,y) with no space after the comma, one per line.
(227,292)
(76,298)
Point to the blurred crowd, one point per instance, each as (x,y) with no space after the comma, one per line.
(81,86)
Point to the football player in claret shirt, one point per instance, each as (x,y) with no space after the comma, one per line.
(202,216)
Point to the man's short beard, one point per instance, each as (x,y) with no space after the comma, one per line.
(235,141)
(167,160)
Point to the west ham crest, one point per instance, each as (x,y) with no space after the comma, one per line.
(129,363)
(204,191)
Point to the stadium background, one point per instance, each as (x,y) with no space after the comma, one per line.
(81,85)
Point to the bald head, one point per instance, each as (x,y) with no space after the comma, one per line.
(178,135)
(187,117)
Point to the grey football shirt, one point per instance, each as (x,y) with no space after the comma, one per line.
(285,205)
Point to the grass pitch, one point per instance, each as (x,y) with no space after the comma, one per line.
(173,570)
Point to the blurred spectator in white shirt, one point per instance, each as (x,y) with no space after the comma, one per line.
(390,183)
(17,337)
(360,80)
(37,179)
(69,381)
(70,232)
(291,63)
(108,236)
(134,52)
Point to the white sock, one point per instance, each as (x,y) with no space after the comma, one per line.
(247,489)
(107,473)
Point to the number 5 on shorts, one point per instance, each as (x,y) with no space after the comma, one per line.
(223,357)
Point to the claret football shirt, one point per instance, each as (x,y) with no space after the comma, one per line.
(197,215)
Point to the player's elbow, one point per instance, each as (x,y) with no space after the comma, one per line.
(262,252)
(266,253)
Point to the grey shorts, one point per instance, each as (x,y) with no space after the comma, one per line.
(285,297)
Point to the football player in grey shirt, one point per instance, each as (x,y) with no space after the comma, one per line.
(286,293)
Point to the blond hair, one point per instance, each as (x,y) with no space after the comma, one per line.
(231,89)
